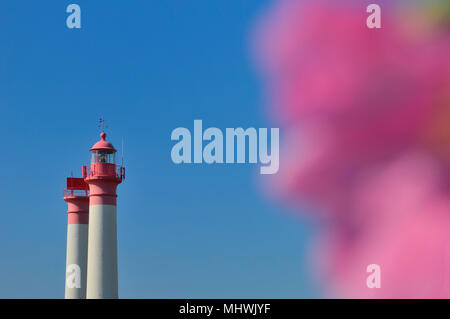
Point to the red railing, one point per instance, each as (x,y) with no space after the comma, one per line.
(75,192)
(104,169)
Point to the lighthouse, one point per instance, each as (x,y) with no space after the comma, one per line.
(103,177)
(77,197)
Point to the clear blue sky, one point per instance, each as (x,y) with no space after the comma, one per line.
(193,231)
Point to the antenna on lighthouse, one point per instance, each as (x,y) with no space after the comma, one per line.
(122,150)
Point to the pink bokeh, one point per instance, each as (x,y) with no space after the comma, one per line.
(366,125)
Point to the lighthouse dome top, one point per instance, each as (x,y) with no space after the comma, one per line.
(103,144)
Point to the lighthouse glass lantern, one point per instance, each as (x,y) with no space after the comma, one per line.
(103,159)
(103,156)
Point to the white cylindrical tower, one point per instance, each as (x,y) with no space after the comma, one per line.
(103,178)
(76,195)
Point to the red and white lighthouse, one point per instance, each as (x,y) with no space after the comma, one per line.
(103,177)
(77,197)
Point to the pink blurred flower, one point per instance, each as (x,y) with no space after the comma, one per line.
(368,141)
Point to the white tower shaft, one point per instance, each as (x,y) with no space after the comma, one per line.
(102,253)
(77,245)
(76,261)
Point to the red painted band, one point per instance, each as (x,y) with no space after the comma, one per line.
(77,209)
(102,200)
(78,218)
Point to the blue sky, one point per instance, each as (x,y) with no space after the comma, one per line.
(185,231)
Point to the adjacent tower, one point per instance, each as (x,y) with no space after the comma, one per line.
(103,177)
(77,197)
